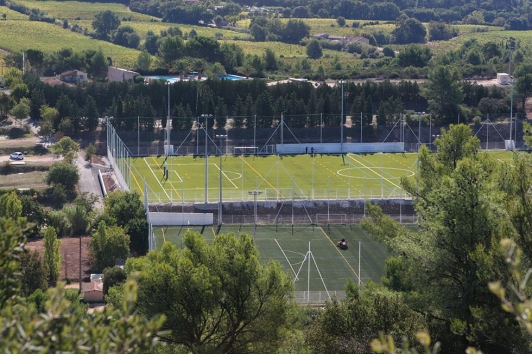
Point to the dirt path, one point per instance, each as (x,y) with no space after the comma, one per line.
(5,52)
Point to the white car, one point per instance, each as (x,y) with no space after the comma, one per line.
(17,156)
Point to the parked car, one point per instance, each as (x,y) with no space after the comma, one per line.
(17,156)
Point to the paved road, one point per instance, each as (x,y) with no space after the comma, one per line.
(88,181)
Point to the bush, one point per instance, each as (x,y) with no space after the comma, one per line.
(59,221)
(59,195)
(388,52)
(16,132)
(477,120)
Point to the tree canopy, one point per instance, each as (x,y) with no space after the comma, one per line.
(218,297)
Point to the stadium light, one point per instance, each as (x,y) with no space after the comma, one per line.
(220,206)
(206,116)
(254,193)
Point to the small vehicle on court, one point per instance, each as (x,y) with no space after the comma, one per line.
(342,244)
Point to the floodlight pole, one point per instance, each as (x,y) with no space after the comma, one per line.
(342,123)
(254,193)
(168,122)
(359,256)
(220,200)
(206,160)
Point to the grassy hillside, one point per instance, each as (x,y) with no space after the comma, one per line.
(20,33)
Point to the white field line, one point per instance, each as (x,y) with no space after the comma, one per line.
(290,264)
(223,173)
(373,170)
(178,176)
(156,178)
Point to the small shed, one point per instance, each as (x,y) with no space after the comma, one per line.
(503,79)
(93,291)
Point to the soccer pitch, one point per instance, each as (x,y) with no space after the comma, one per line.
(298,177)
(278,177)
(329,267)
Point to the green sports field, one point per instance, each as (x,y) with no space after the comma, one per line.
(330,267)
(300,177)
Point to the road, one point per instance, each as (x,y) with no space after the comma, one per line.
(88,181)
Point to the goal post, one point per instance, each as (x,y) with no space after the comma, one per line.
(244,150)
(324,219)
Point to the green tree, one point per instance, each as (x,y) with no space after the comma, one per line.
(65,145)
(105,22)
(108,244)
(270,59)
(340,21)
(127,37)
(125,209)
(79,218)
(462,218)
(33,273)
(62,173)
(414,55)
(113,276)
(218,296)
(353,322)
(143,62)
(20,91)
(52,254)
(439,31)
(22,109)
(216,69)
(444,93)
(170,49)
(314,50)
(97,66)
(6,103)
(66,127)
(181,66)
(10,205)
(89,152)
(523,83)
(90,111)
(409,30)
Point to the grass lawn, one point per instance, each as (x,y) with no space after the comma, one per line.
(279,178)
(329,268)
(300,177)
(33,179)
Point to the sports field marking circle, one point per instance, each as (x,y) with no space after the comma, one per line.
(409,173)
(298,253)
(227,173)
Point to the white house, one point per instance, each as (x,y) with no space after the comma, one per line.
(120,75)
(73,76)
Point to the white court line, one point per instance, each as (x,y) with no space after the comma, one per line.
(178,176)
(223,173)
(372,169)
(156,178)
(284,254)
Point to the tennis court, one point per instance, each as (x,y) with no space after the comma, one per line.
(328,266)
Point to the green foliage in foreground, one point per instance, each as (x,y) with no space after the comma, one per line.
(61,327)
(466,202)
(218,297)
